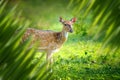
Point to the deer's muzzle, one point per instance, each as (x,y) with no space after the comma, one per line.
(71,31)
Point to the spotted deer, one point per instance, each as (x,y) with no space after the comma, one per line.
(50,41)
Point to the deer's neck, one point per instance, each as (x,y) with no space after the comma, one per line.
(64,34)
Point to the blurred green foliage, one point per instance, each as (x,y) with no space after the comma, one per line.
(105,21)
(80,57)
(15,58)
(44,14)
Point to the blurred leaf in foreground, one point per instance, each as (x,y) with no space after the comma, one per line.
(16,59)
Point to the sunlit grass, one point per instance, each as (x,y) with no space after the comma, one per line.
(81,59)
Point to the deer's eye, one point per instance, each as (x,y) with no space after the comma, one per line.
(65,24)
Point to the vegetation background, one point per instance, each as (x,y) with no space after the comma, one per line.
(91,52)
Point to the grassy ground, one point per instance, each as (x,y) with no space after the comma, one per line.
(80,60)
(80,57)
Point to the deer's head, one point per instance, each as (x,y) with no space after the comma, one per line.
(67,24)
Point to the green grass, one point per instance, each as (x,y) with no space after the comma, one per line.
(81,60)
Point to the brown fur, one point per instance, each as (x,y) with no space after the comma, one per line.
(48,40)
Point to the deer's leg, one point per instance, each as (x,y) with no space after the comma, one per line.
(49,59)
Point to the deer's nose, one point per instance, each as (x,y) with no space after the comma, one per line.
(71,31)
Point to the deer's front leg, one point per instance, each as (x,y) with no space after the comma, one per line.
(49,59)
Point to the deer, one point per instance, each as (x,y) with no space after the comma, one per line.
(50,41)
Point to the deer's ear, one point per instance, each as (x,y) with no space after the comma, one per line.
(61,20)
(73,19)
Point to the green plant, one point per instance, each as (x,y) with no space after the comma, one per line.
(15,58)
(105,21)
